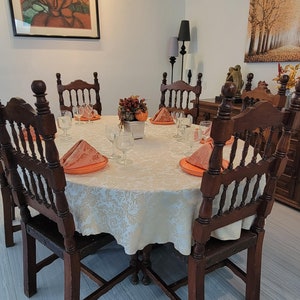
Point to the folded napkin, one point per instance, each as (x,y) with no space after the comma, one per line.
(32,133)
(163,115)
(82,154)
(200,158)
(89,113)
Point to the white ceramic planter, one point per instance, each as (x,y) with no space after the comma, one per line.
(136,127)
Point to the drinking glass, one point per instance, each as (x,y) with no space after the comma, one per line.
(64,122)
(184,122)
(176,118)
(124,142)
(77,113)
(111,132)
(192,137)
(205,127)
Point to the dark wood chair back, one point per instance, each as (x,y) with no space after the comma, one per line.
(9,213)
(37,180)
(79,92)
(181,97)
(237,190)
(262,93)
(243,189)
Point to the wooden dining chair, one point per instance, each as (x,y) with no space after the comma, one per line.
(38,181)
(239,193)
(9,208)
(262,93)
(79,92)
(180,96)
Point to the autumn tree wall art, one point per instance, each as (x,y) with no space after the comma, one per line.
(273,31)
(61,18)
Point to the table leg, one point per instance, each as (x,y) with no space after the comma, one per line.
(134,262)
(146,264)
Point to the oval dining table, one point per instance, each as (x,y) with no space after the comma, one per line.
(152,200)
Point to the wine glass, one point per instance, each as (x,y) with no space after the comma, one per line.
(64,122)
(205,127)
(124,142)
(184,122)
(192,137)
(111,132)
(176,118)
(77,113)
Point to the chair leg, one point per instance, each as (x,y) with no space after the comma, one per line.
(196,277)
(72,276)
(29,262)
(254,258)
(7,215)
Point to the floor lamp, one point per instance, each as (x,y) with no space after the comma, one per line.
(184,36)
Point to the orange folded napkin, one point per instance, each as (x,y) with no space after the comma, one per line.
(163,115)
(82,154)
(89,114)
(32,133)
(210,140)
(200,158)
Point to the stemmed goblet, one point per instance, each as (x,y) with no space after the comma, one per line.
(111,132)
(176,118)
(124,142)
(64,122)
(77,113)
(192,136)
(205,127)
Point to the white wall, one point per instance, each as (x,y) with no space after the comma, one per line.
(219,33)
(130,57)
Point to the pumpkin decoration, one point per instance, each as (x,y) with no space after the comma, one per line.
(141,116)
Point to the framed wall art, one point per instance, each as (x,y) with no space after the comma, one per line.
(273,31)
(55,18)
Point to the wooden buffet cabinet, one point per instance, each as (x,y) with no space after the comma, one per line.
(288,185)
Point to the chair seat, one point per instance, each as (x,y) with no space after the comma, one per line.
(213,246)
(46,232)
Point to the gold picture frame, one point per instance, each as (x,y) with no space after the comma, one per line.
(55,18)
(273,31)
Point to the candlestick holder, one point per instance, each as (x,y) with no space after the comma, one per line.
(184,36)
(173,53)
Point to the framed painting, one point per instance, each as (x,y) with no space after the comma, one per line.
(55,18)
(273,31)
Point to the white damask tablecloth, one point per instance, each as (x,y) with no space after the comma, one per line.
(149,201)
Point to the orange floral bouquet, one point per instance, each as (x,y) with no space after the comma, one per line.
(291,71)
(132,109)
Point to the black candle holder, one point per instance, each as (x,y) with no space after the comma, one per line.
(172,62)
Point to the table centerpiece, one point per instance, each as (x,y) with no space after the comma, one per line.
(292,71)
(133,113)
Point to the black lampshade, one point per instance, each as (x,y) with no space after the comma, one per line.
(184,31)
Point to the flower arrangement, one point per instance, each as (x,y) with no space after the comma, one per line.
(291,71)
(132,109)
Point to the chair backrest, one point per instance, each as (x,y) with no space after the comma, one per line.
(79,92)
(31,161)
(181,97)
(246,186)
(262,93)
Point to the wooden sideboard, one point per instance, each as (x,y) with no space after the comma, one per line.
(288,185)
(208,109)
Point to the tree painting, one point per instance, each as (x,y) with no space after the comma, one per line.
(273,31)
(57,13)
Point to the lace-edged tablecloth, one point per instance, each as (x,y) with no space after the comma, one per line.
(149,201)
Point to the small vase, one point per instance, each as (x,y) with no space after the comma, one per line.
(136,127)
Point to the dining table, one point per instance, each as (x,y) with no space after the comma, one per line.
(151,200)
